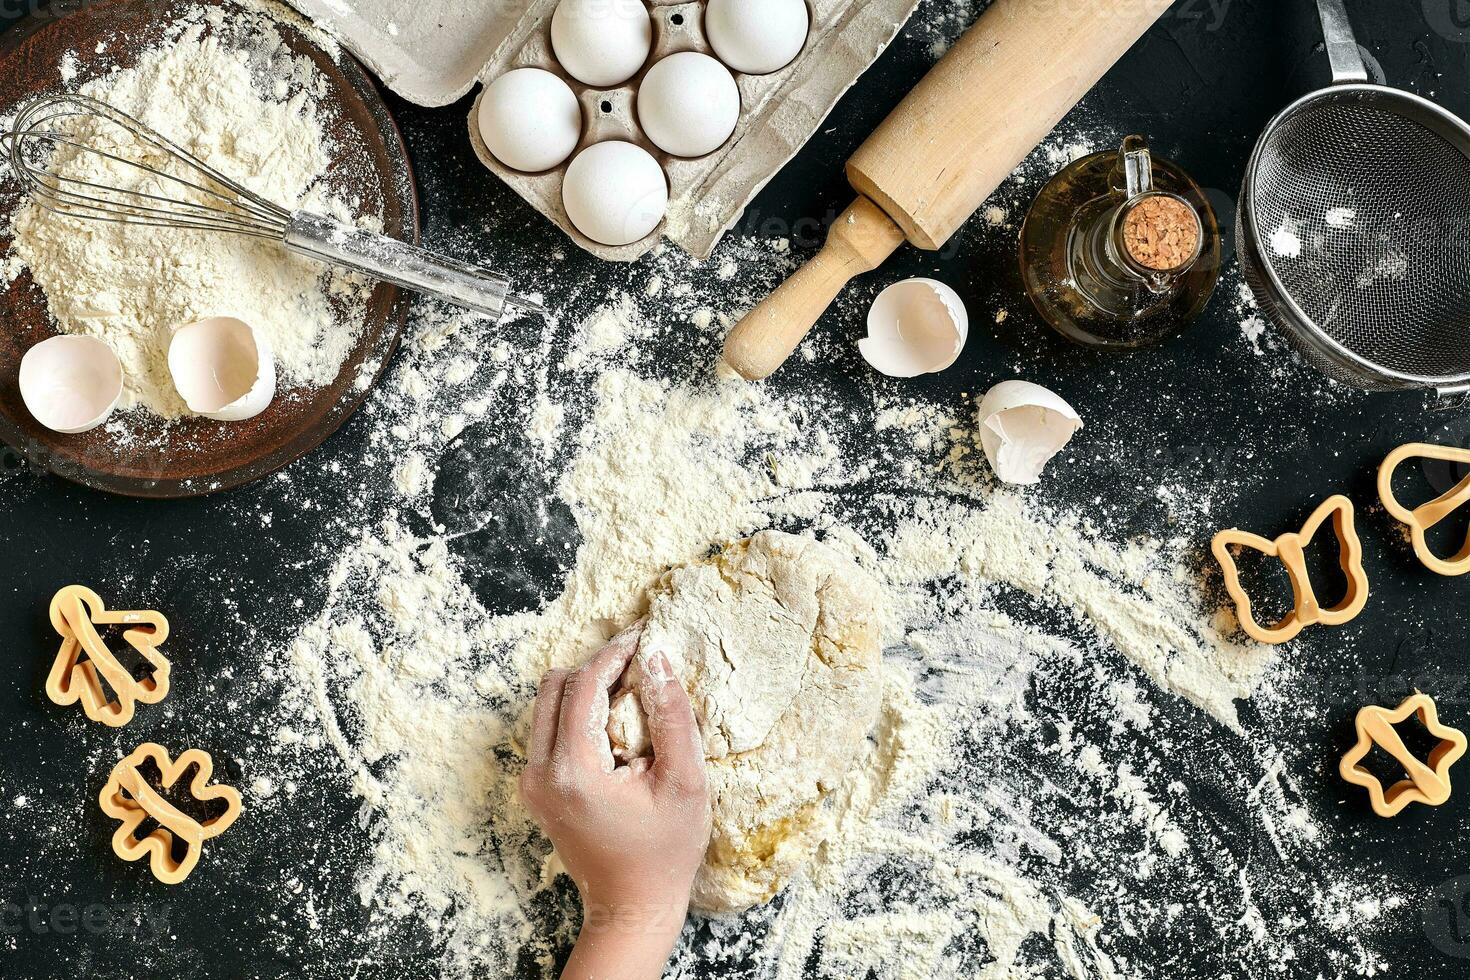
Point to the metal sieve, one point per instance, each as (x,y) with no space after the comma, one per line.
(1353,229)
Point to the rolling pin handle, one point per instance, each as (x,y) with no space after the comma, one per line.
(861,240)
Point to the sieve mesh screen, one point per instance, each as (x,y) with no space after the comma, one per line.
(1364,216)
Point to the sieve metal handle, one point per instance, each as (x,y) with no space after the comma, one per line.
(1342,44)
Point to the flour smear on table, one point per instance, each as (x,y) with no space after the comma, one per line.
(1016,813)
(227,89)
(1061,783)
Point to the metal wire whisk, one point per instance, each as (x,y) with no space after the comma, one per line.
(175,189)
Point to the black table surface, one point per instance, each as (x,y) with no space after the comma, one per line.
(1202,85)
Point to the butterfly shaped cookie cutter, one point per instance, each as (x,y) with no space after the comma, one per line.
(1427,782)
(1291,549)
(84,661)
(129,798)
(1428,515)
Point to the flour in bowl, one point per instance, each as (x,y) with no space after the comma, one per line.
(228,90)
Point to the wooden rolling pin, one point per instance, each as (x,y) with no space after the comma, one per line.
(958,135)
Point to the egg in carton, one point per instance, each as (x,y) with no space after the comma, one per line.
(434,51)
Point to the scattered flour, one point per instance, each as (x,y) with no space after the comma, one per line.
(1012,815)
(1285,242)
(944,23)
(1251,328)
(1390,265)
(1059,155)
(70,66)
(1026,805)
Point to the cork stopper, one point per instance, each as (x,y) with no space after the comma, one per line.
(1162,233)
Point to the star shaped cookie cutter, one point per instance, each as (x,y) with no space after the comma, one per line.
(84,661)
(1291,549)
(1430,514)
(129,798)
(1427,783)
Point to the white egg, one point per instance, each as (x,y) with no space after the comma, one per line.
(615,193)
(222,369)
(601,42)
(530,120)
(689,104)
(71,384)
(757,36)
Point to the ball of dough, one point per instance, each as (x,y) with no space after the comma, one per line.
(627,728)
(530,120)
(601,42)
(615,193)
(778,641)
(689,104)
(757,36)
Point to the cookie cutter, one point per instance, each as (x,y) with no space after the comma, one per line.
(1291,549)
(76,612)
(129,798)
(1428,515)
(1427,783)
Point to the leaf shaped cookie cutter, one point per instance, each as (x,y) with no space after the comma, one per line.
(1291,549)
(1430,514)
(129,798)
(84,661)
(1427,783)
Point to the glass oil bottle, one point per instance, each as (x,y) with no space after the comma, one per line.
(1121,249)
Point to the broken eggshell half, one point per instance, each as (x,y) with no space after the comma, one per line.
(71,384)
(915,327)
(223,369)
(1022,427)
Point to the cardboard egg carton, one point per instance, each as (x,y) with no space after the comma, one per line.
(425,54)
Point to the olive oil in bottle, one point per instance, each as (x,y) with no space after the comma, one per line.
(1121,249)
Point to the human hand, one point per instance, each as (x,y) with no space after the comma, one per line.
(631,837)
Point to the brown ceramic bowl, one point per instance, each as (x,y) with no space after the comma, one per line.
(144,457)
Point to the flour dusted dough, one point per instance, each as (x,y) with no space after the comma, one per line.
(778,641)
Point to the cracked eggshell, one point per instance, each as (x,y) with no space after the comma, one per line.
(71,384)
(915,327)
(1022,427)
(223,369)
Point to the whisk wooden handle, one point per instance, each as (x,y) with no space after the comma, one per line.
(390,260)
